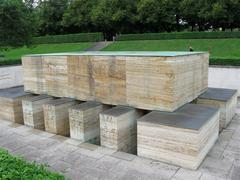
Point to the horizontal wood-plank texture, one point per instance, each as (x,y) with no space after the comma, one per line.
(118,128)
(84,121)
(56,117)
(11,104)
(33,111)
(225,99)
(152,82)
(183,137)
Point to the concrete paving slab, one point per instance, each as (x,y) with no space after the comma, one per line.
(60,138)
(185,174)
(216,167)
(88,146)
(61,166)
(73,142)
(123,156)
(106,163)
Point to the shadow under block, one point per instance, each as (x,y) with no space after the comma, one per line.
(226,99)
(84,121)
(182,138)
(33,111)
(147,80)
(11,104)
(56,117)
(118,128)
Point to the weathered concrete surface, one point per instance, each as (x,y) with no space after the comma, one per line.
(224,77)
(219,77)
(85,161)
(10,76)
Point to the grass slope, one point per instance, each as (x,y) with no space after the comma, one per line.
(16,168)
(218,48)
(45,48)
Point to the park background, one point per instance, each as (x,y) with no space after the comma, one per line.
(49,26)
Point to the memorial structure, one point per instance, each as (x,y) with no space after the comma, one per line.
(137,102)
(148,80)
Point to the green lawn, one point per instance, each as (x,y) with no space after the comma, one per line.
(222,51)
(45,48)
(218,48)
(12,167)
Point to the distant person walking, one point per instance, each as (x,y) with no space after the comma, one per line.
(190,48)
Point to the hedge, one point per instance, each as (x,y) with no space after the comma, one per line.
(178,35)
(225,61)
(69,38)
(13,167)
(7,62)
(213,61)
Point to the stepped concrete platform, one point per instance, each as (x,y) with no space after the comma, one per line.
(84,121)
(183,137)
(75,159)
(11,104)
(225,99)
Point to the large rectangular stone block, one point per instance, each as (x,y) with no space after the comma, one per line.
(225,99)
(56,117)
(118,128)
(182,138)
(33,111)
(146,80)
(11,104)
(34,75)
(84,121)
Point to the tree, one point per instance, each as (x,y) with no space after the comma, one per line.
(233,11)
(173,8)
(78,16)
(189,10)
(51,15)
(113,16)
(219,15)
(155,15)
(16,23)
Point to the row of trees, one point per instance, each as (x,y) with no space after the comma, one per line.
(136,16)
(45,17)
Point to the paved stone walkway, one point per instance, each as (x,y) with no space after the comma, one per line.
(99,46)
(85,161)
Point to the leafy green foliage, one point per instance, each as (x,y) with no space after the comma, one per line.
(77,17)
(16,168)
(69,38)
(225,61)
(17,23)
(112,16)
(7,62)
(50,15)
(178,35)
(155,14)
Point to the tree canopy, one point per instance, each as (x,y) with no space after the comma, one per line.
(17,24)
(21,19)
